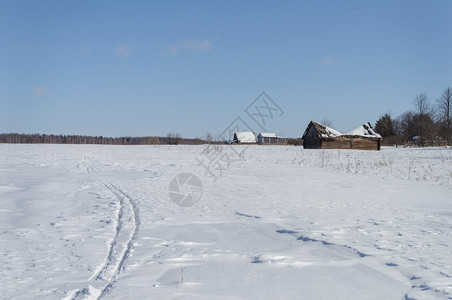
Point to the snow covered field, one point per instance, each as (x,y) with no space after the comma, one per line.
(92,221)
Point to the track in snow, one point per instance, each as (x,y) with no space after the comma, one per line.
(119,248)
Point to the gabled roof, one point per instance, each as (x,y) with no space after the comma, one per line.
(245,137)
(322,130)
(325,132)
(267,135)
(365,130)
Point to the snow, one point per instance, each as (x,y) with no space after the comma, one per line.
(268,134)
(245,137)
(331,132)
(365,131)
(96,222)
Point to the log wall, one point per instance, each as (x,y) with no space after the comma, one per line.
(357,143)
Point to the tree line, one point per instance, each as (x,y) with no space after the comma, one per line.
(429,123)
(170,139)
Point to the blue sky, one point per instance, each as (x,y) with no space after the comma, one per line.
(139,68)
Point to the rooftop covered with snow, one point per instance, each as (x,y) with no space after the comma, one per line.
(245,137)
(268,134)
(322,130)
(365,130)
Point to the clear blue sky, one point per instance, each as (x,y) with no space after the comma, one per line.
(140,68)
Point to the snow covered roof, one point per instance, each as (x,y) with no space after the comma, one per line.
(330,132)
(365,130)
(245,137)
(267,134)
(323,131)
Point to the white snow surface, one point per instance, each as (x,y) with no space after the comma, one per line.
(96,222)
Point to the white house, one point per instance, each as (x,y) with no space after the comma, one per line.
(244,137)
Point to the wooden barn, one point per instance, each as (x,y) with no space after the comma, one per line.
(318,136)
(364,138)
(265,138)
(244,137)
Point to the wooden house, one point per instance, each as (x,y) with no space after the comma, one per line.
(265,138)
(318,136)
(364,138)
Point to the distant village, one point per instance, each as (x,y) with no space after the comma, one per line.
(318,136)
(315,136)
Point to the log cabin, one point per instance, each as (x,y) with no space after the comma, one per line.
(318,136)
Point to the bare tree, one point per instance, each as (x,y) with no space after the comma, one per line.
(444,105)
(405,126)
(327,122)
(177,139)
(424,112)
(422,104)
(169,138)
(209,138)
(398,131)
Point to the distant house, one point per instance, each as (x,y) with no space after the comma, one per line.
(265,138)
(244,137)
(318,136)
